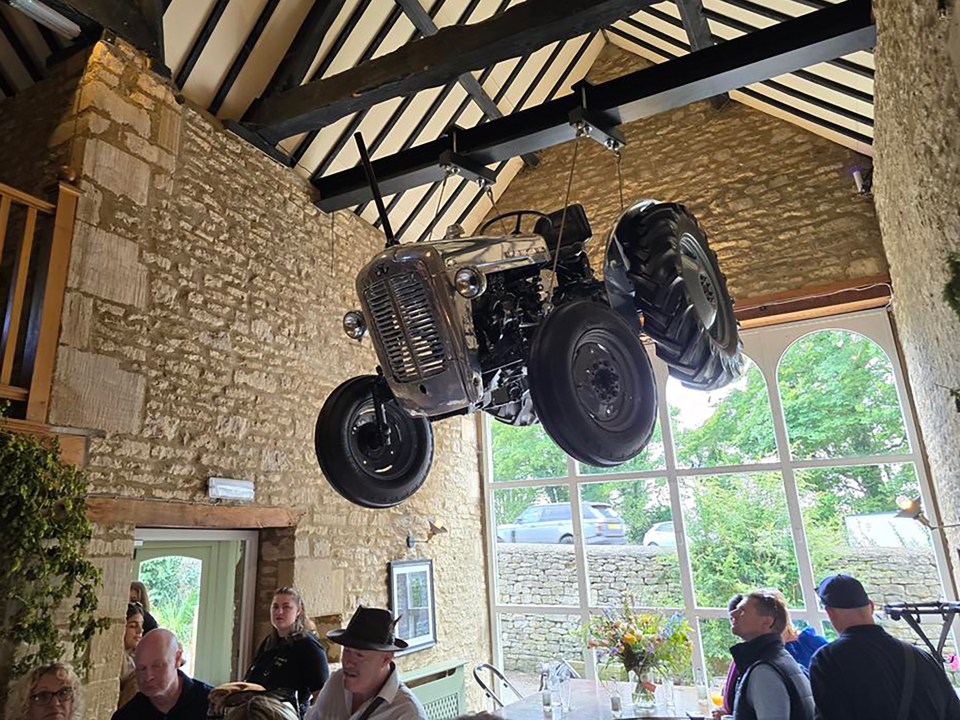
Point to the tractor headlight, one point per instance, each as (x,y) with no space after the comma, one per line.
(354,325)
(470,282)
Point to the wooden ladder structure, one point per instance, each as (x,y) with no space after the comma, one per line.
(36,261)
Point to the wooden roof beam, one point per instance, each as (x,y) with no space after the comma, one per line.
(431,62)
(815,37)
(698,33)
(421,20)
(296,62)
(139,22)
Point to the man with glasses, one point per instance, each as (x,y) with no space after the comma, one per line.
(868,673)
(771,686)
(165,691)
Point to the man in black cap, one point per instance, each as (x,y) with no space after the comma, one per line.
(367,687)
(867,673)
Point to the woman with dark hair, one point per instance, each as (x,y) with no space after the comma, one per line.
(290,657)
(132,634)
(138,594)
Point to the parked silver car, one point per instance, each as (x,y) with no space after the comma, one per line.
(660,535)
(553,523)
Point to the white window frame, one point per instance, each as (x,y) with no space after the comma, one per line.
(765,346)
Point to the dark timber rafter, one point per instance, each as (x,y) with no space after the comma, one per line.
(139,22)
(812,38)
(433,61)
(296,62)
(698,33)
(427,27)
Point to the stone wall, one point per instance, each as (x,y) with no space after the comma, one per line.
(917,188)
(546,574)
(777,201)
(201,335)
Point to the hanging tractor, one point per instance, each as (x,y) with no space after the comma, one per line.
(518,326)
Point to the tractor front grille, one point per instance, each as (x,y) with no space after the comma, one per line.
(405,324)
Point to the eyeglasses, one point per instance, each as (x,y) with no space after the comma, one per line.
(45,697)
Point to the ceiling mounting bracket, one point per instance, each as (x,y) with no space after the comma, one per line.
(453,163)
(598,126)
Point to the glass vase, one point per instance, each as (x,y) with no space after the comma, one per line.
(643,693)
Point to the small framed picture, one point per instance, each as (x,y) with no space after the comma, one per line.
(412,601)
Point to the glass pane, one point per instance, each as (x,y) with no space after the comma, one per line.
(849,515)
(651,458)
(174,584)
(535,559)
(631,547)
(716,638)
(840,397)
(521,453)
(527,640)
(729,426)
(738,531)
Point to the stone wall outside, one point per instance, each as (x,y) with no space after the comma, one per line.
(546,574)
(917,187)
(200,337)
(777,201)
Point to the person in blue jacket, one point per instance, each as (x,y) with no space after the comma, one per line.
(802,644)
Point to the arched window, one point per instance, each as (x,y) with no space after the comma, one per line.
(786,475)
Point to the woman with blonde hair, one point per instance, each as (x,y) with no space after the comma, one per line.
(290,657)
(48,692)
(138,594)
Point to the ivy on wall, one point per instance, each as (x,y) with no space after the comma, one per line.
(44,533)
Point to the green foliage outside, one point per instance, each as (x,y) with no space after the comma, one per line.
(44,532)
(839,399)
(174,586)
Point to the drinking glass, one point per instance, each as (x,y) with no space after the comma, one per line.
(565,694)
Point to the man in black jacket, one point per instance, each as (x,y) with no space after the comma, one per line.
(771,686)
(864,672)
(166,693)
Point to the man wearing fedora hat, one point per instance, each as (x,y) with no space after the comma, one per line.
(367,687)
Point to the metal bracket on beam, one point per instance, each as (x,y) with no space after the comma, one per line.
(453,163)
(594,126)
(598,126)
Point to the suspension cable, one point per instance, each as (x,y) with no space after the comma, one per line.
(581,131)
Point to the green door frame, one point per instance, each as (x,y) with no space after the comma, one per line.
(219,551)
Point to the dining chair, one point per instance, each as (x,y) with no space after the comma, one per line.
(490,693)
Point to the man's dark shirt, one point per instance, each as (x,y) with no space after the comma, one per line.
(191,705)
(859,676)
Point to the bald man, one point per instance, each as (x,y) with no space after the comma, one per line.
(165,692)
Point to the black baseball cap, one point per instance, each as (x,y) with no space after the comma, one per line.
(842,592)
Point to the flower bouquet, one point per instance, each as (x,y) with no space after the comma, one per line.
(650,647)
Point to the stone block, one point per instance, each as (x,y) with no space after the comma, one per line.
(76,319)
(111,103)
(116,170)
(321,584)
(107,266)
(92,391)
(168,129)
